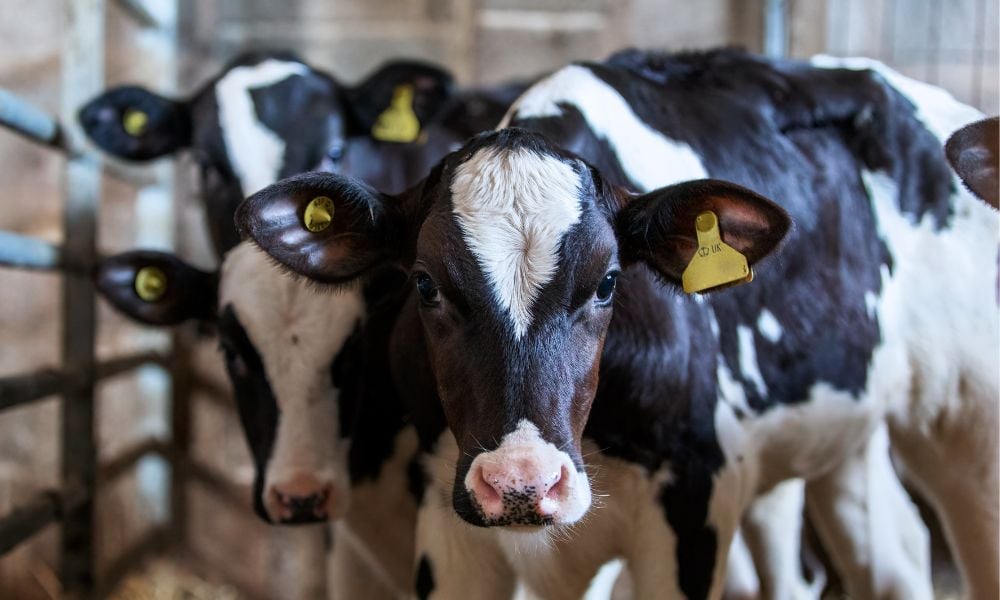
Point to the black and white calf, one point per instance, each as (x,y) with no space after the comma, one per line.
(270,115)
(326,432)
(529,396)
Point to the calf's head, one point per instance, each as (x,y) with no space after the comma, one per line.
(514,247)
(281,341)
(264,117)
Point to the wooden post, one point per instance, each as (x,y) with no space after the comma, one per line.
(82,78)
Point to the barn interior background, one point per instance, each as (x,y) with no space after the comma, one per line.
(175,472)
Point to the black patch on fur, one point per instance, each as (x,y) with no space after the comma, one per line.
(255,402)
(425,578)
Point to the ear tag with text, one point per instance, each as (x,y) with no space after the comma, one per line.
(319,214)
(135,122)
(398,123)
(150,284)
(715,264)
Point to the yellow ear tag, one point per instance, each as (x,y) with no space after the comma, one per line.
(715,264)
(398,123)
(150,284)
(319,214)
(135,122)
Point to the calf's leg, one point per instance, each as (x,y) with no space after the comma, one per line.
(869,526)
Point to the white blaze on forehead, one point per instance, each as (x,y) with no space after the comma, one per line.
(649,158)
(255,152)
(297,331)
(514,207)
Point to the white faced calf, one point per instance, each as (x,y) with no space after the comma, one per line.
(280,339)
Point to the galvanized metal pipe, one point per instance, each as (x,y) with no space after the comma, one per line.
(776,28)
(25,252)
(27,120)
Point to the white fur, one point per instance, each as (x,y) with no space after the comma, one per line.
(748,359)
(274,308)
(514,207)
(649,158)
(255,151)
(769,327)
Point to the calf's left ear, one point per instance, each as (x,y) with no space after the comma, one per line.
(398,100)
(973,153)
(329,228)
(658,227)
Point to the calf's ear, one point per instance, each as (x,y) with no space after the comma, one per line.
(658,227)
(397,101)
(973,153)
(133,123)
(329,228)
(157,288)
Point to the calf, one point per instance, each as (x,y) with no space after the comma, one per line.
(299,366)
(270,115)
(516,248)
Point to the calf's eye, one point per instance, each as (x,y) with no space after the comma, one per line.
(606,288)
(427,289)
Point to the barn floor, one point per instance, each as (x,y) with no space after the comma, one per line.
(164,579)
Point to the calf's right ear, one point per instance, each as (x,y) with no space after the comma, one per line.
(133,123)
(973,153)
(157,288)
(329,228)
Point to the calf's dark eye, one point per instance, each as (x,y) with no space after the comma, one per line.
(606,288)
(427,289)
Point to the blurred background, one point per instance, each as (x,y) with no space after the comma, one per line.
(176,472)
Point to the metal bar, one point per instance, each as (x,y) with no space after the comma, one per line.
(82,78)
(776,28)
(121,464)
(30,387)
(28,519)
(123,364)
(26,252)
(180,431)
(22,389)
(138,10)
(33,123)
(218,485)
(38,126)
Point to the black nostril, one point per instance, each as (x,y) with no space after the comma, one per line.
(304,503)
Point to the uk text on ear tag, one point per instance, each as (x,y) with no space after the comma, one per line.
(715,264)
(150,284)
(135,122)
(319,214)
(398,123)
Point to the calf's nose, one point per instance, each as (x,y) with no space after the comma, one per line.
(300,499)
(519,486)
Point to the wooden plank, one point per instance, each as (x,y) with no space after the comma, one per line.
(82,78)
